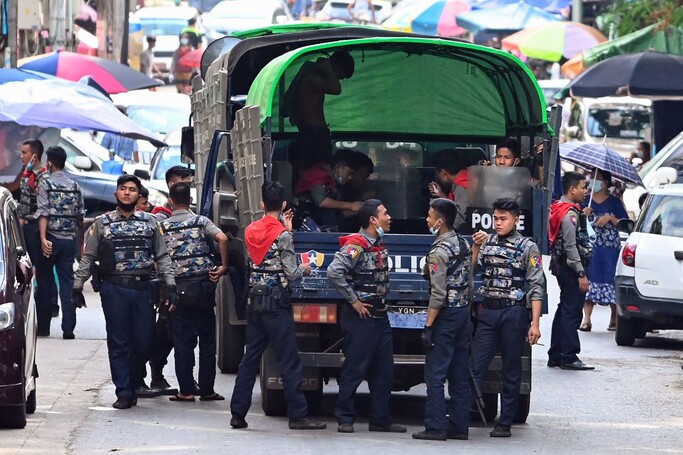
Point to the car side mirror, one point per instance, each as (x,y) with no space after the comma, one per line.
(142,174)
(83,163)
(664,176)
(187,142)
(626,225)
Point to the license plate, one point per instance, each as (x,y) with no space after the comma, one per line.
(407,317)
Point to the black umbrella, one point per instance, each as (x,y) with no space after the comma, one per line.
(647,74)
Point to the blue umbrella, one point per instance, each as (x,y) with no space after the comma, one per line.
(18,75)
(598,156)
(505,19)
(551,6)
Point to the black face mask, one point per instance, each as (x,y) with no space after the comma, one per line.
(126,207)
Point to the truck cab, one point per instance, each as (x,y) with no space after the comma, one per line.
(409,97)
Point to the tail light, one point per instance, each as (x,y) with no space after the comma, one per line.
(628,255)
(315,313)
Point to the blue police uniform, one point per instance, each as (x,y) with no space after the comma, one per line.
(127,250)
(448,267)
(187,242)
(360,272)
(61,202)
(512,276)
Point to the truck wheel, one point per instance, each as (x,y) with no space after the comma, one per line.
(490,406)
(625,335)
(230,338)
(523,405)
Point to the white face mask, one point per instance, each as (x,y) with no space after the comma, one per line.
(380,232)
(184,41)
(434,229)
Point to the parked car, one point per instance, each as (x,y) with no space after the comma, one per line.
(648,278)
(18,371)
(159,112)
(165,23)
(670,156)
(550,87)
(231,16)
(338,10)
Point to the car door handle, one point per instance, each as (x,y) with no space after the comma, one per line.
(678,255)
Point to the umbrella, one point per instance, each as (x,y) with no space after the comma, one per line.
(551,6)
(598,156)
(192,59)
(432,17)
(62,104)
(505,19)
(647,74)
(654,37)
(112,76)
(18,75)
(554,41)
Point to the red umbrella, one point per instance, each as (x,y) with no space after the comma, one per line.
(192,59)
(112,76)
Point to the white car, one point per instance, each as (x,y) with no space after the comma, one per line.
(165,23)
(232,16)
(649,275)
(338,10)
(159,112)
(670,156)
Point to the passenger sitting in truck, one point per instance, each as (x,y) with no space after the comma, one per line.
(304,104)
(356,190)
(508,154)
(318,190)
(451,177)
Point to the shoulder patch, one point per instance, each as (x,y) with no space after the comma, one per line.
(433,265)
(572,219)
(352,251)
(535,261)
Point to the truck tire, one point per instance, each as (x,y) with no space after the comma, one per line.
(230,338)
(523,406)
(490,406)
(625,334)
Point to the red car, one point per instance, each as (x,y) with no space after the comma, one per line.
(18,370)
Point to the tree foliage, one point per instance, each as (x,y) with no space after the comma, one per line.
(628,16)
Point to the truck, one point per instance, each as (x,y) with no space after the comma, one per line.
(409,97)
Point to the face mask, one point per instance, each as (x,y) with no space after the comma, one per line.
(339,179)
(184,41)
(597,186)
(126,207)
(434,230)
(380,232)
(29,166)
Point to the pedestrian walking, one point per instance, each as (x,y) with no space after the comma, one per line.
(448,329)
(272,263)
(513,285)
(60,216)
(360,272)
(129,248)
(187,239)
(570,257)
(34,174)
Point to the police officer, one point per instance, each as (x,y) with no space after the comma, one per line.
(34,173)
(448,329)
(128,246)
(512,283)
(272,264)
(187,239)
(571,252)
(60,213)
(360,272)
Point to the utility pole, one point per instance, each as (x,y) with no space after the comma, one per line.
(126,30)
(13,32)
(577,10)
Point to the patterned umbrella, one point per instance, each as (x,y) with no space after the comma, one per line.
(429,17)
(506,19)
(18,75)
(112,76)
(554,41)
(598,156)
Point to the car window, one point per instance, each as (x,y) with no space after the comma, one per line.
(73,152)
(675,160)
(166,159)
(163,26)
(618,123)
(662,215)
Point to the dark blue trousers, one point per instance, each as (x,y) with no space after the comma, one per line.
(263,328)
(368,354)
(564,342)
(62,258)
(503,330)
(46,291)
(188,324)
(449,360)
(129,317)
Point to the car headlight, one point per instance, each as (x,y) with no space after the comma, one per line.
(157,198)
(6,316)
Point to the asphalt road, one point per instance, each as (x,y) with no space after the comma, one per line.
(629,405)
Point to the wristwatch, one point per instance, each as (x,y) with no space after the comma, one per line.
(582,274)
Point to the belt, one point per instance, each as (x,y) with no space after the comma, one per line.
(496,304)
(129,281)
(458,305)
(379,308)
(193,279)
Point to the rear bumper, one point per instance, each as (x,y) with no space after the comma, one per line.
(664,313)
